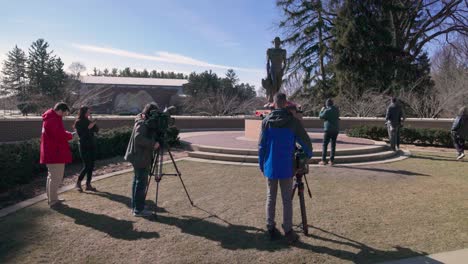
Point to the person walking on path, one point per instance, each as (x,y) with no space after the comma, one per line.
(55,151)
(331,116)
(86,127)
(279,135)
(460,132)
(140,153)
(394,119)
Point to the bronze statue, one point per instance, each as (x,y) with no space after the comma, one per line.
(276,62)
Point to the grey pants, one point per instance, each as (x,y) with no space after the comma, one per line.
(394,135)
(286,186)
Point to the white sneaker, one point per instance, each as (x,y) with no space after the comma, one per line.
(461,156)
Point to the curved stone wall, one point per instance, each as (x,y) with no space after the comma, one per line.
(23,128)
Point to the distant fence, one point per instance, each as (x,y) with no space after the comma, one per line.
(23,128)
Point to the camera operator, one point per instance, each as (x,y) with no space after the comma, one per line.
(139,153)
(280,132)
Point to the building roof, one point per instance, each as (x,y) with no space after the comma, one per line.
(132,81)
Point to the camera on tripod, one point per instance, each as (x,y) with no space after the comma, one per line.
(301,161)
(159,123)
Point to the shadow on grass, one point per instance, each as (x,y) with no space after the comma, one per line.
(116,228)
(366,254)
(434,157)
(400,172)
(235,237)
(127,201)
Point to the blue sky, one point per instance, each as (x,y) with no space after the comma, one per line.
(168,35)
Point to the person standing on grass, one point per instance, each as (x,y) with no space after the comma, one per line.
(55,151)
(394,119)
(279,135)
(86,127)
(331,116)
(460,132)
(140,153)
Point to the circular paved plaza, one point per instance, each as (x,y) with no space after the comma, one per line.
(236,139)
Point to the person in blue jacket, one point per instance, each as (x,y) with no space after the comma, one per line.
(279,135)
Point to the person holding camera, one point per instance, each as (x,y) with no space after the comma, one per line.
(55,151)
(279,134)
(139,153)
(394,119)
(86,127)
(460,132)
(331,116)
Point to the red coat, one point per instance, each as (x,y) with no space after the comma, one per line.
(54,140)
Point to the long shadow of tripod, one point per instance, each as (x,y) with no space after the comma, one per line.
(156,170)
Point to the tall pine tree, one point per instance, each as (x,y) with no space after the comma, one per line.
(14,72)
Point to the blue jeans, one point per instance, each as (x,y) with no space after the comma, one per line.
(139,188)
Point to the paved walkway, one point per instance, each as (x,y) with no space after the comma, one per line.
(451,257)
(237,140)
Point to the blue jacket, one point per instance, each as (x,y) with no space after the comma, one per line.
(280,132)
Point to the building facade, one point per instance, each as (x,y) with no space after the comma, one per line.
(127,95)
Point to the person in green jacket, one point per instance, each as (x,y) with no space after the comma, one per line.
(331,116)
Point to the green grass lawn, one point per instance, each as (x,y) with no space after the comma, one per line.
(360,214)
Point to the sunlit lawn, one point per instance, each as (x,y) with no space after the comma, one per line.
(357,214)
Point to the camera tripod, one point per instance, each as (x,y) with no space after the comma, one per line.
(156,170)
(299,185)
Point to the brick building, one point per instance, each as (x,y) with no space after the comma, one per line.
(119,95)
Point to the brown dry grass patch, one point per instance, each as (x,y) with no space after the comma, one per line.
(358,214)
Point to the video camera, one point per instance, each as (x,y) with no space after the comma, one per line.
(301,161)
(159,122)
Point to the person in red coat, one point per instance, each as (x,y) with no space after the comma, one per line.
(55,151)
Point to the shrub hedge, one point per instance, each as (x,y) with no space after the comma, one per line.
(420,136)
(19,161)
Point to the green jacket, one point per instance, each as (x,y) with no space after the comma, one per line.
(140,147)
(331,115)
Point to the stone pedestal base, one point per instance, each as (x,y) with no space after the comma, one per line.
(253,127)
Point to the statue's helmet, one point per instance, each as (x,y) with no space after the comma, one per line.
(277,41)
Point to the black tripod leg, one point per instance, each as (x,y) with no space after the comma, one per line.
(179,174)
(305,228)
(307,184)
(158,178)
(154,163)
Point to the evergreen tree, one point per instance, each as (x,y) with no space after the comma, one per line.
(14,72)
(105,72)
(144,74)
(307,29)
(114,72)
(38,65)
(126,72)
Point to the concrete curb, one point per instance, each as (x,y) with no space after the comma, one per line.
(450,257)
(13,208)
(402,156)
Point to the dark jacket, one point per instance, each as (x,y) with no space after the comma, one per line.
(395,114)
(331,115)
(280,132)
(140,147)
(87,138)
(460,126)
(54,140)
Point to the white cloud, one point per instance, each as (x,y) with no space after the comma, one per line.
(161,56)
